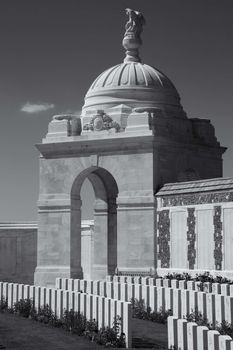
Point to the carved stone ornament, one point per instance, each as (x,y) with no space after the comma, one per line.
(134,26)
(197,198)
(132,40)
(101,121)
(218,237)
(164,238)
(191,237)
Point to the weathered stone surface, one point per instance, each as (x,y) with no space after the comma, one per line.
(135,137)
(18,250)
(203,198)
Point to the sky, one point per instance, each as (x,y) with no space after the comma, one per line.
(52,50)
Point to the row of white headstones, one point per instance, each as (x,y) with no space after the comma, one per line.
(104,300)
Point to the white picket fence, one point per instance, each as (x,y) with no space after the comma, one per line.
(208,287)
(214,307)
(185,335)
(97,307)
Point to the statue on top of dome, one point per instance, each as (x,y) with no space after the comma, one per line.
(135,22)
(132,40)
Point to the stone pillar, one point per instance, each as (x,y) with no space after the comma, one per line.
(75,238)
(100,240)
(112,236)
(87,249)
(136,232)
(59,237)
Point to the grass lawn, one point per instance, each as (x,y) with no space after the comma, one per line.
(19,333)
(24,334)
(147,334)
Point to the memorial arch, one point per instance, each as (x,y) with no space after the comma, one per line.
(104,252)
(132,137)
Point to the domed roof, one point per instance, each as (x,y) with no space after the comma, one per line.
(131,74)
(132,83)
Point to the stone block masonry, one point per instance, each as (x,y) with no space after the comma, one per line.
(18,250)
(18,246)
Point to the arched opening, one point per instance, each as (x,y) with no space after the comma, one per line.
(104,252)
(87,195)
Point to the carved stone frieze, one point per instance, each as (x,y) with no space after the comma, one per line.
(191,237)
(218,238)
(101,121)
(164,238)
(197,198)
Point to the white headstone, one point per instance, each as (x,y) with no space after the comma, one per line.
(210,308)
(213,341)
(192,335)
(177,303)
(182,334)
(172,332)
(202,340)
(225,342)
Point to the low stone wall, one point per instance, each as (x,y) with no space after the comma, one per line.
(185,335)
(214,307)
(18,251)
(100,308)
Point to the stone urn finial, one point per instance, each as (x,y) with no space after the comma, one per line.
(132,39)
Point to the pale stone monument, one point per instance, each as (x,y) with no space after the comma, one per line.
(132,137)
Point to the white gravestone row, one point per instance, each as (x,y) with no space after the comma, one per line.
(185,335)
(208,287)
(102,309)
(214,307)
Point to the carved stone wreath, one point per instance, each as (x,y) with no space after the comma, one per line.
(101,121)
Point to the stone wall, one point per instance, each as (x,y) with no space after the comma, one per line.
(194,227)
(18,250)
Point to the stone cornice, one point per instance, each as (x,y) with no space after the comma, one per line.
(18,225)
(118,143)
(86,146)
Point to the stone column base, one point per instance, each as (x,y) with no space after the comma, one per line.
(99,272)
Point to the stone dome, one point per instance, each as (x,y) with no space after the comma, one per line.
(132,75)
(132,83)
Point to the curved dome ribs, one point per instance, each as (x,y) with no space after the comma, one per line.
(121,72)
(131,74)
(143,73)
(134,84)
(155,73)
(97,80)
